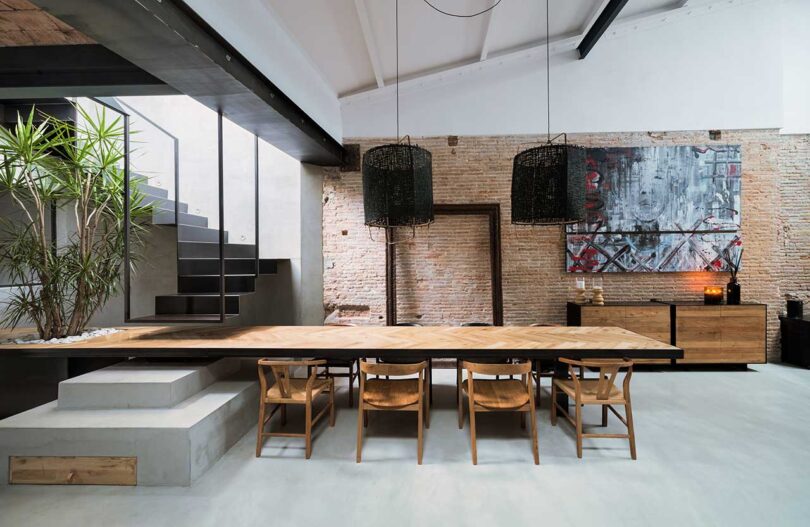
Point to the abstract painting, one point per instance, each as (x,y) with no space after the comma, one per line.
(658,209)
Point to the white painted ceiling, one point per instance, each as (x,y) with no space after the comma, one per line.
(331,33)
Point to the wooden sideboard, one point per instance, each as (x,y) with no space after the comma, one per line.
(719,334)
(650,319)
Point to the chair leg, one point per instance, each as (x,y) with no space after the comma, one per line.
(419,434)
(604,414)
(351,384)
(283,414)
(535,449)
(359,428)
(332,403)
(430,381)
(628,409)
(308,432)
(472,432)
(523,420)
(579,430)
(365,418)
(538,366)
(458,381)
(427,406)
(553,404)
(460,413)
(259,438)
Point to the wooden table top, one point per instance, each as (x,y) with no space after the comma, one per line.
(341,341)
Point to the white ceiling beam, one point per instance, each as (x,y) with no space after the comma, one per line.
(459,69)
(289,34)
(558,45)
(591,20)
(368,37)
(488,34)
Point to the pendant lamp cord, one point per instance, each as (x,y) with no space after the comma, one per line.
(548,80)
(457,15)
(396,19)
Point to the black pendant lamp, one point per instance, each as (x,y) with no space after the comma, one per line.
(548,181)
(398,178)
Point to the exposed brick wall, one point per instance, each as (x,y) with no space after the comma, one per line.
(443,276)
(535,286)
(794,167)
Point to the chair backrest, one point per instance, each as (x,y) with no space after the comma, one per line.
(341,324)
(475,324)
(608,371)
(392,370)
(408,324)
(520,368)
(281,373)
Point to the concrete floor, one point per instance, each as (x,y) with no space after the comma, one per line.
(714,448)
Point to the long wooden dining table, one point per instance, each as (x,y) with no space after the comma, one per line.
(535,343)
(539,344)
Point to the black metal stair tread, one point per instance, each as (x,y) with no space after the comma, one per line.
(246,258)
(238,293)
(251,275)
(217,243)
(181,318)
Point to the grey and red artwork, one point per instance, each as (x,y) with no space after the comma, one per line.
(658,209)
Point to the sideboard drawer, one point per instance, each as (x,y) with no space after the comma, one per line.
(649,320)
(721,334)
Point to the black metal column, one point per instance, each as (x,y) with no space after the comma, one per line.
(256,190)
(127,221)
(221,174)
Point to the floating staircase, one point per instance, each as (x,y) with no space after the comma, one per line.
(198,282)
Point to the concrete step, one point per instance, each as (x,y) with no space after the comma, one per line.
(164,203)
(190,233)
(166,217)
(173,446)
(142,384)
(211,250)
(151,190)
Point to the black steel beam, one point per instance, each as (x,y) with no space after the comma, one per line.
(170,41)
(86,70)
(606,17)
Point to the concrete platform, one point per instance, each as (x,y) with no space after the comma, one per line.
(174,445)
(142,384)
(715,448)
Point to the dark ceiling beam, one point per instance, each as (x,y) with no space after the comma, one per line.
(606,17)
(87,70)
(170,41)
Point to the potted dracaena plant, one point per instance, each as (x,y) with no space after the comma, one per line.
(47,166)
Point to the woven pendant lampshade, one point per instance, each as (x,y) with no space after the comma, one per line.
(398,186)
(548,185)
(548,181)
(398,178)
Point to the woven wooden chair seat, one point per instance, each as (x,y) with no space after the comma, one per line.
(391,393)
(298,390)
(501,395)
(589,394)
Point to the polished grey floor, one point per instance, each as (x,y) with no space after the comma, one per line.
(714,448)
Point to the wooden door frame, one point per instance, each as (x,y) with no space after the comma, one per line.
(493,213)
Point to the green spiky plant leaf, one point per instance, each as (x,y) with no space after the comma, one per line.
(50,163)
